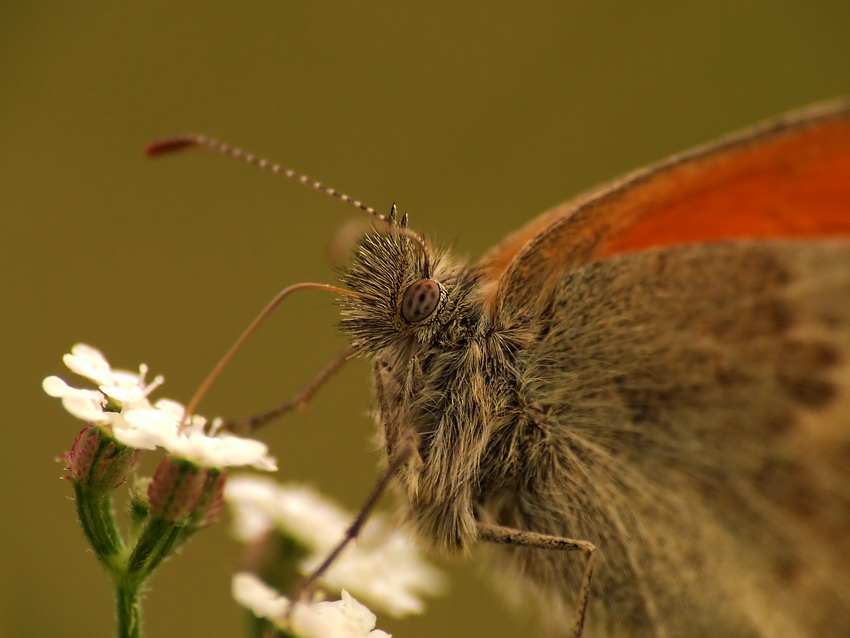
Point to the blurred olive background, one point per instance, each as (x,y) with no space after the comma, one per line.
(473,117)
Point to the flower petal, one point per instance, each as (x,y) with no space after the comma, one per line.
(57,388)
(86,405)
(88,409)
(145,427)
(89,352)
(346,618)
(123,395)
(225,450)
(89,363)
(249,591)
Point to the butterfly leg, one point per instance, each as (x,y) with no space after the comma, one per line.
(522,538)
(251,423)
(399,459)
(398,456)
(388,413)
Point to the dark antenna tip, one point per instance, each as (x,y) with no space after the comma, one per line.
(171,145)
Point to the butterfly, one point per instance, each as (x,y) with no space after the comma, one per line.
(660,368)
(638,405)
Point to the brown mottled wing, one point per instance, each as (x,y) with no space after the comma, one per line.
(786,178)
(693,407)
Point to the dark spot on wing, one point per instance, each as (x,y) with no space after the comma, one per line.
(789,485)
(802,369)
(779,423)
(811,356)
(763,318)
(812,393)
(788,569)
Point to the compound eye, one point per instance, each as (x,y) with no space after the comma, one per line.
(420,300)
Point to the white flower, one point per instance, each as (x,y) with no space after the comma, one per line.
(191,441)
(263,601)
(122,406)
(260,504)
(118,405)
(382,566)
(346,618)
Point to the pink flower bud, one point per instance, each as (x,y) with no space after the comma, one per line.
(175,489)
(211,501)
(98,461)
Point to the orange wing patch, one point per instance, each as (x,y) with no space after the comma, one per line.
(786,179)
(791,187)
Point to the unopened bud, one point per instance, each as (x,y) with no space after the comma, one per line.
(98,461)
(175,489)
(210,502)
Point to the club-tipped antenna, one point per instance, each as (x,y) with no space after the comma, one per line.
(173,144)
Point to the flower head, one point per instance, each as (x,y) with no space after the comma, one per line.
(383,567)
(346,618)
(121,405)
(202,445)
(121,396)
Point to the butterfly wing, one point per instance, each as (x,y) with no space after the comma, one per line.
(787,178)
(694,413)
(687,372)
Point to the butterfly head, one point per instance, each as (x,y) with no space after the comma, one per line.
(401,293)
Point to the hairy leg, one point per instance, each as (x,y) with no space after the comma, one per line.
(522,538)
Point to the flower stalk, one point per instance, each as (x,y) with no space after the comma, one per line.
(289,530)
(97,518)
(128,608)
(184,495)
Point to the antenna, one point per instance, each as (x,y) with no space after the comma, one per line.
(248,332)
(171,145)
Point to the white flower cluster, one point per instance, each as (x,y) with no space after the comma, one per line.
(344,618)
(121,405)
(383,566)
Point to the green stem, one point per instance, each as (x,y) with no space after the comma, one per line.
(175,537)
(97,518)
(128,609)
(159,540)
